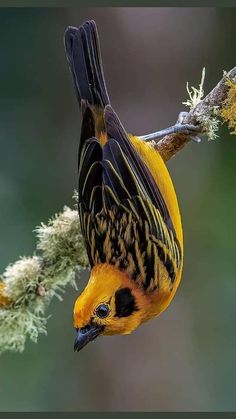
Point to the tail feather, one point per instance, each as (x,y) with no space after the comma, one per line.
(84,58)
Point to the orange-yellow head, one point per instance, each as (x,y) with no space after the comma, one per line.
(110,304)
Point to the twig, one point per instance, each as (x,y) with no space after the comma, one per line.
(205,113)
(30,283)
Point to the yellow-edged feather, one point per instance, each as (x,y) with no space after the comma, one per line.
(157,167)
(162,178)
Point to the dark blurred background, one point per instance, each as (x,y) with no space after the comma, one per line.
(185,359)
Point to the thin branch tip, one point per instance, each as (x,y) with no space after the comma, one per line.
(208,112)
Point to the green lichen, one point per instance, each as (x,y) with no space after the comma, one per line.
(31,282)
(228,108)
(209,120)
(195,95)
(16,324)
(206,116)
(61,241)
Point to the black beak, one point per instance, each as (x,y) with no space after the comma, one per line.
(86,334)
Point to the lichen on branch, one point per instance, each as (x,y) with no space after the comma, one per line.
(208,112)
(228,110)
(195,94)
(208,118)
(29,284)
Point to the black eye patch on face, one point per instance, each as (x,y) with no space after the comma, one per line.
(124,302)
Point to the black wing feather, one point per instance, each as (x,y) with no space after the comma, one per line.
(144,177)
(112,179)
(112,151)
(90,171)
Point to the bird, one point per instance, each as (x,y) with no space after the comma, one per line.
(128,208)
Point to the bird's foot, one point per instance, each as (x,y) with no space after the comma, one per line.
(179,128)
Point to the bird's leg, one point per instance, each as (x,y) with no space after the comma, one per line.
(178,128)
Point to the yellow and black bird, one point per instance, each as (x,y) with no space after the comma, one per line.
(128,209)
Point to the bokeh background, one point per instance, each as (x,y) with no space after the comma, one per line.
(185,359)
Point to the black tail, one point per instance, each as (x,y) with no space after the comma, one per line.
(84,57)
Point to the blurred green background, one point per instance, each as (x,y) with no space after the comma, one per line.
(185,359)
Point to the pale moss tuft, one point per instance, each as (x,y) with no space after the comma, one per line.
(228,109)
(29,284)
(207,117)
(16,324)
(210,122)
(195,95)
(61,239)
(22,279)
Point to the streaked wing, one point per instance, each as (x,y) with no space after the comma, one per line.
(124,217)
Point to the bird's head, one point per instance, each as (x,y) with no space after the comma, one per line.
(110,304)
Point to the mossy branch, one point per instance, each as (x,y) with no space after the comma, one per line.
(217,107)
(28,285)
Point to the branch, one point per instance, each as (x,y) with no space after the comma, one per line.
(218,105)
(29,284)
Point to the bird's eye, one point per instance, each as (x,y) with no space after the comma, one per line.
(102,311)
